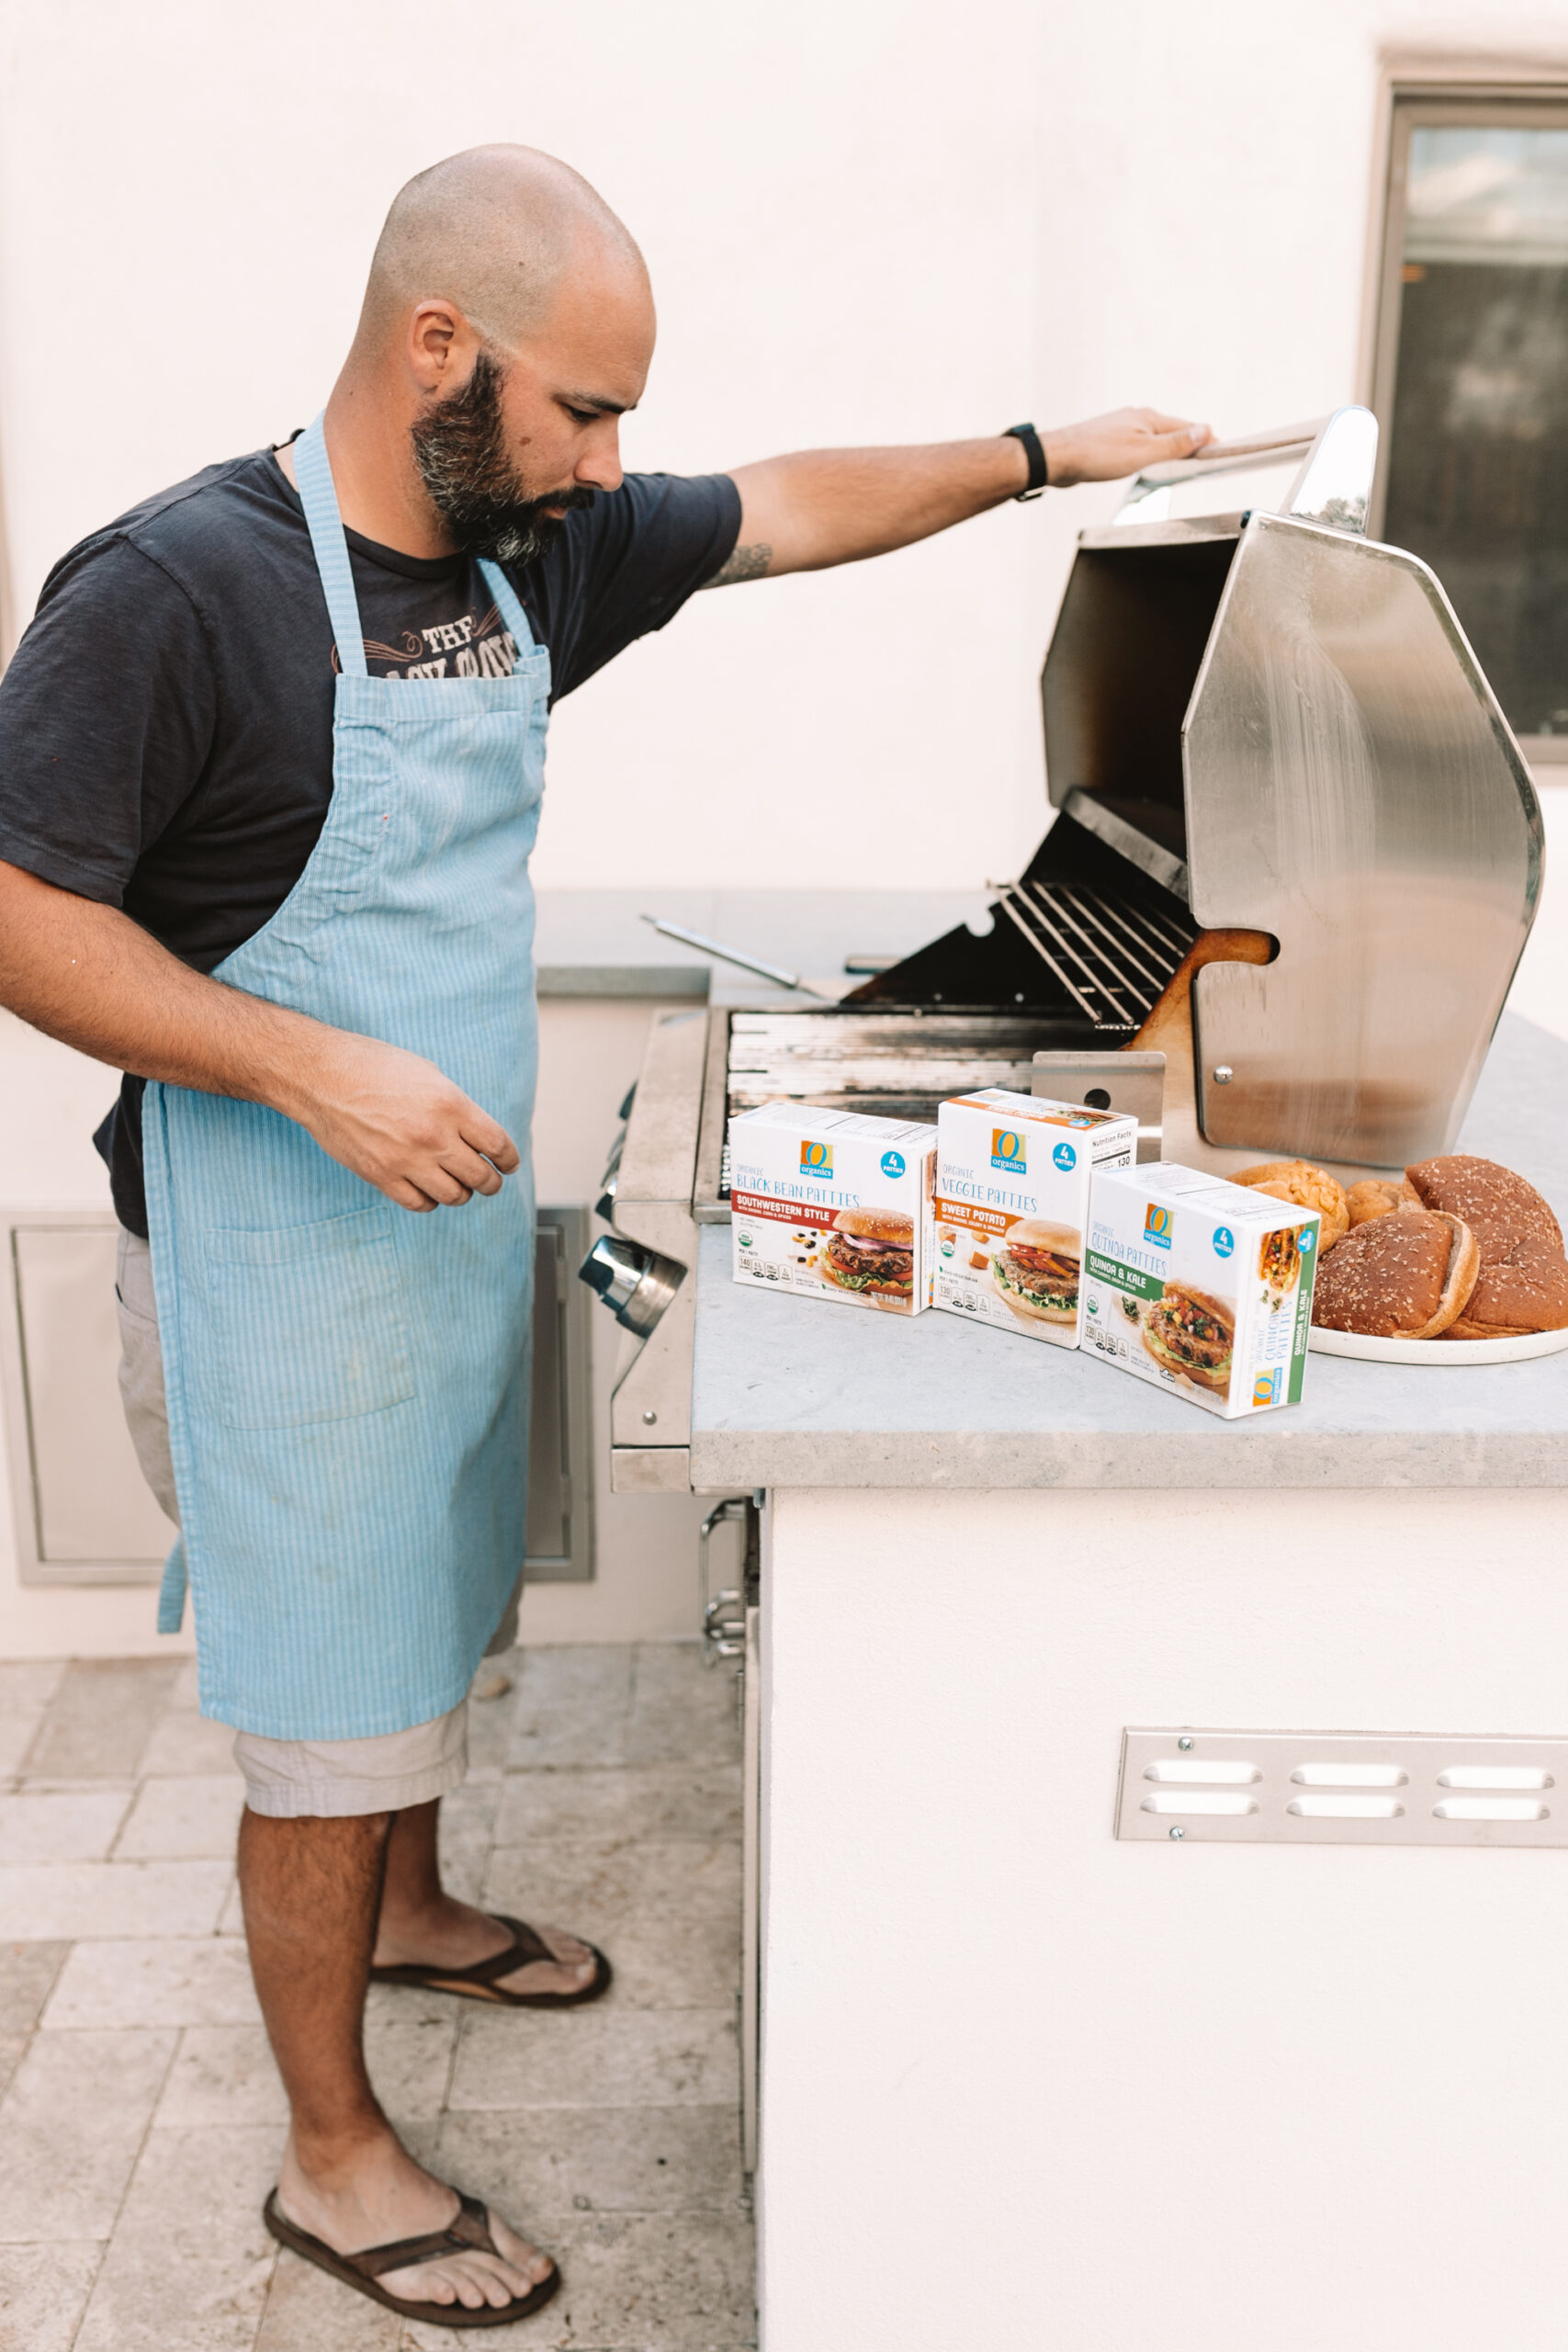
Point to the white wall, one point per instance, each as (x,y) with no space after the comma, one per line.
(869,221)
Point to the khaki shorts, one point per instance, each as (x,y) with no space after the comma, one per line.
(285,1777)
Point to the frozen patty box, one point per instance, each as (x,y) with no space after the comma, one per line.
(1012,1191)
(833,1204)
(1202,1286)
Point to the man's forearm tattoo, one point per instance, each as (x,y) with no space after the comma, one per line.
(745,563)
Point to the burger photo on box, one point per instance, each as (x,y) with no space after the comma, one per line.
(1037,1269)
(1193,1334)
(872,1252)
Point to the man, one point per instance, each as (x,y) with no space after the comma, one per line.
(270,768)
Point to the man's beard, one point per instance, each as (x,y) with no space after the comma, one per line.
(459,446)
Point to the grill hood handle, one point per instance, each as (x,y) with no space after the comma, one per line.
(1332,486)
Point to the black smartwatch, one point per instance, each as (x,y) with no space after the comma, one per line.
(1038,471)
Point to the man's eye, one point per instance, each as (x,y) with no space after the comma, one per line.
(580,415)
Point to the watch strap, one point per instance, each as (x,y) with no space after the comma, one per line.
(1034,449)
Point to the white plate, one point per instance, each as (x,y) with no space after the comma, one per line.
(1437,1352)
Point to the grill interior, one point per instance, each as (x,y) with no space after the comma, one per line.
(1080,948)
(1112,955)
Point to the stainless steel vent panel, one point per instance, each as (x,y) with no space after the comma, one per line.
(1304,1788)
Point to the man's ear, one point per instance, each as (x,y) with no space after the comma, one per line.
(441,346)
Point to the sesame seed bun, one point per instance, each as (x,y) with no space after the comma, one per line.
(1408,1276)
(1522,1283)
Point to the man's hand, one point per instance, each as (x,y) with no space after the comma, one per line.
(88,975)
(398,1121)
(1105,448)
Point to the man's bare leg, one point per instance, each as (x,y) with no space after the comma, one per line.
(422,1925)
(310,1889)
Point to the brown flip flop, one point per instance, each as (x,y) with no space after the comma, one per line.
(470,2226)
(478,1982)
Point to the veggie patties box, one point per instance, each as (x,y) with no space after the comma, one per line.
(830,1202)
(1012,1190)
(1204,1286)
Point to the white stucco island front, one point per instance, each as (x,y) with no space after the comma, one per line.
(1025,2081)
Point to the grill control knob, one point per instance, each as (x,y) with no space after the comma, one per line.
(636,1285)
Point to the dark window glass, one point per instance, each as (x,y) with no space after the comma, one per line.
(1478,457)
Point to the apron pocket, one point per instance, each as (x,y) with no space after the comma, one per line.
(309,1323)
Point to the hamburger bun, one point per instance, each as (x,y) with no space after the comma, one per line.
(1522,1285)
(877,1224)
(1402,1277)
(1036,1269)
(1193,1334)
(1309,1188)
(1380,1196)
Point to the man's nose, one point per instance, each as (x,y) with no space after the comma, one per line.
(600,464)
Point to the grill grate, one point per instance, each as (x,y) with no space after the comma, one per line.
(1113,956)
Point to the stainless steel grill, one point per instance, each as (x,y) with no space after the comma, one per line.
(1295,859)
(891,1065)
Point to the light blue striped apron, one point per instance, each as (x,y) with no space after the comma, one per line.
(348,1381)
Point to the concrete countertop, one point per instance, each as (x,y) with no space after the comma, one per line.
(795,1392)
(594,943)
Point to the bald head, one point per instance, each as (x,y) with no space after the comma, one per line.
(494,230)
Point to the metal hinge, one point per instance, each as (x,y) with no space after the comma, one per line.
(724,1612)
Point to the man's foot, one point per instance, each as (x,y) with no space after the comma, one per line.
(455,1935)
(379,2195)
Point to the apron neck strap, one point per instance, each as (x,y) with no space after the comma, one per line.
(508,605)
(319,499)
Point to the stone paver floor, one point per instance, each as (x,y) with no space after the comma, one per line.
(141,2116)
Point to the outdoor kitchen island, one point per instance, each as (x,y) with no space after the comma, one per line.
(1025,2082)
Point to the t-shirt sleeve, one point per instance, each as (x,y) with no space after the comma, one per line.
(107,715)
(626,564)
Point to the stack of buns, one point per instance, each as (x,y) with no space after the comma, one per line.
(1522,1285)
(1459,1248)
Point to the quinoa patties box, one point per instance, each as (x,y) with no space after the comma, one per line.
(1203,1286)
(1012,1190)
(830,1202)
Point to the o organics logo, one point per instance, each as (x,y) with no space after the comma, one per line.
(893,1163)
(1225,1242)
(1264,1386)
(1158,1224)
(1007,1151)
(1064,1157)
(817,1159)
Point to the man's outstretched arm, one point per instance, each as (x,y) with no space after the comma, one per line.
(825,506)
(87,974)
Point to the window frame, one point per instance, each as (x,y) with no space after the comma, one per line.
(1413,105)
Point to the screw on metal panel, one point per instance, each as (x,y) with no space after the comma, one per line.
(1178,1831)
(1224,1074)
(650,1417)
(1184,1741)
